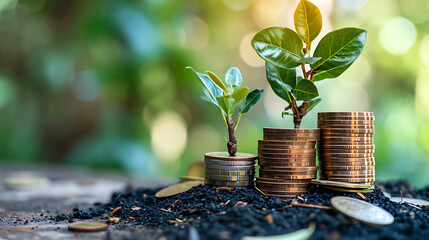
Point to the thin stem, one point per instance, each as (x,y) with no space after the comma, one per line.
(232,142)
(236,123)
(224,117)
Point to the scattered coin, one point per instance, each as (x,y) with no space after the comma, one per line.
(88,227)
(337,189)
(413,201)
(177,188)
(362,211)
(190,178)
(386,194)
(339,184)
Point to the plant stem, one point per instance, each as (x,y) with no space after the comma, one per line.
(232,142)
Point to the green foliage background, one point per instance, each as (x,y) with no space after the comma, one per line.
(89,83)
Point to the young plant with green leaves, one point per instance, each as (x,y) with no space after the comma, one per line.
(285,50)
(228,96)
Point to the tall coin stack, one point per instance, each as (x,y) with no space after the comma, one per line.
(287,160)
(223,170)
(346,147)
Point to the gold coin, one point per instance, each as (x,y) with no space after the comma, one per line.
(346,139)
(343,165)
(287,147)
(88,227)
(285,155)
(233,173)
(286,143)
(333,130)
(312,168)
(345,123)
(284,192)
(345,114)
(349,176)
(347,118)
(324,147)
(347,168)
(291,130)
(297,139)
(333,150)
(287,177)
(282,184)
(366,135)
(353,172)
(271,187)
(276,180)
(196,169)
(177,188)
(230,177)
(345,155)
(230,163)
(332,144)
(190,178)
(290,173)
(369,181)
(339,184)
(225,156)
(286,151)
(288,164)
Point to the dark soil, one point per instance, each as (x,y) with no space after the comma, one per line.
(210,213)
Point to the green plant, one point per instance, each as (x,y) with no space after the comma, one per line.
(227,97)
(283,51)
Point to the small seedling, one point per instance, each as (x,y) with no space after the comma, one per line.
(228,96)
(283,50)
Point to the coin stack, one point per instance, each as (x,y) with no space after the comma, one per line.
(223,170)
(287,159)
(346,147)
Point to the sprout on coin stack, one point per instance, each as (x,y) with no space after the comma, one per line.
(346,147)
(287,156)
(232,168)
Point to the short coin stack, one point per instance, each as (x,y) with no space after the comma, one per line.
(223,170)
(287,158)
(346,147)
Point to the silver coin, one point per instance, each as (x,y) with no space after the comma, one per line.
(362,211)
(229,163)
(413,201)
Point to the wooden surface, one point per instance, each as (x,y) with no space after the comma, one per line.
(25,214)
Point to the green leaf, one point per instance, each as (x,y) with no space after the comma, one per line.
(233,78)
(213,90)
(217,81)
(251,99)
(280,46)
(226,103)
(305,90)
(308,21)
(239,95)
(303,234)
(338,50)
(281,80)
(313,103)
(310,60)
(284,113)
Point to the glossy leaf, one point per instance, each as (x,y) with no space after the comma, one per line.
(217,81)
(310,60)
(213,90)
(305,90)
(233,78)
(338,50)
(308,21)
(280,80)
(251,99)
(313,103)
(331,73)
(226,103)
(239,96)
(280,46)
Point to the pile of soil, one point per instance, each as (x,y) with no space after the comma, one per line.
(221,213)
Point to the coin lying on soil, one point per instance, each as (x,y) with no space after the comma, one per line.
(88,227)
(362,211)
(177,188)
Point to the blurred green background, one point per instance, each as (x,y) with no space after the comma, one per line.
(102,84)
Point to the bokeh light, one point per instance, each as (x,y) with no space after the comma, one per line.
(398,35)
